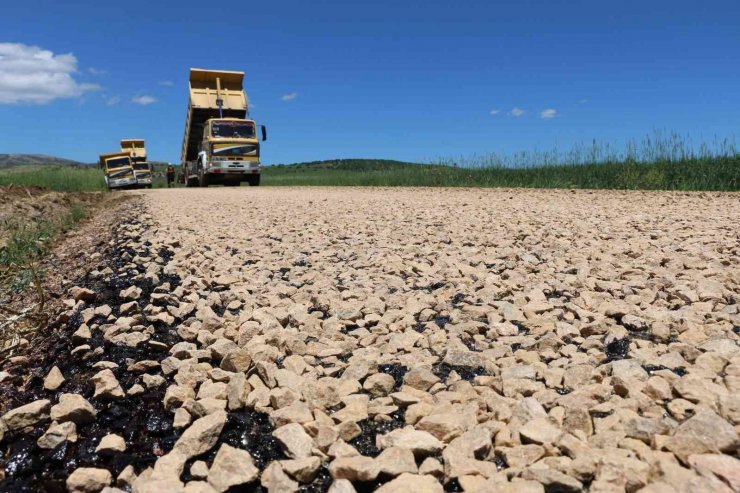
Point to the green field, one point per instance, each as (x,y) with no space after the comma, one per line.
(57,178)
(655,163)
(716,173)
(62,178)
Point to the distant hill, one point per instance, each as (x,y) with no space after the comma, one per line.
(347,165)
(15,160)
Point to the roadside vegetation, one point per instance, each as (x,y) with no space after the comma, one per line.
(658,162)
(38,204)
(655,163)
(56,178)
(65,178)
(24,246)
(28,242)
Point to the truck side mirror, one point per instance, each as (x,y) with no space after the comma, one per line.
(264,132)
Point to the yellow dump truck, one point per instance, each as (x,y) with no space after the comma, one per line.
(118,171)
(142,168)
(220,143)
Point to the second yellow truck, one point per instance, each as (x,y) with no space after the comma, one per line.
(220,143)
(142,169)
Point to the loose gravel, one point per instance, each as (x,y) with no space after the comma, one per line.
(392,340)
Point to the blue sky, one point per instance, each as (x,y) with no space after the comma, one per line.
(411,80)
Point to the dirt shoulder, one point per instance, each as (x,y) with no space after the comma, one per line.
(69,252)
(21,205)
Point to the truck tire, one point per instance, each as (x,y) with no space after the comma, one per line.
(254,180)
(203,179)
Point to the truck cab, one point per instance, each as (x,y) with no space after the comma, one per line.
(119,173)
(230,151)
(142,169)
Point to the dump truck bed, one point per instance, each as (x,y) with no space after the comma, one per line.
(135,147)
(206,87)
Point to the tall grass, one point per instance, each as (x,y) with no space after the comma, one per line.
(57,178)
(657,162)
(27,243)
(652,149)
(64,178)
(660,161)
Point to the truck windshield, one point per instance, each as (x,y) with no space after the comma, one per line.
(141,166)
(241,130)
(120,162)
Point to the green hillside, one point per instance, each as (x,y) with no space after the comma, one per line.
(15,160)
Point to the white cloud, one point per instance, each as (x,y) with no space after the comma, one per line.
(29,74)
(143,100)
(548,114)
(96,71)
(166,83)
(113,100)
(289,97)
(516,111)
(583,101)
(495,112)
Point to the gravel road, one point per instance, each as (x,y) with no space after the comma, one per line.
(392,340)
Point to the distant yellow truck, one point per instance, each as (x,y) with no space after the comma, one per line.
(220,143)
(119,173)
(142,169)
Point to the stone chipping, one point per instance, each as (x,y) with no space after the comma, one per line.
(354,340)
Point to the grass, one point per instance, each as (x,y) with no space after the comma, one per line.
(57,178)
(64,178)
(28,243)
(721,174)
(657,162)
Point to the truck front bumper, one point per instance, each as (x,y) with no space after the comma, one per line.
(229,167)
(121,182)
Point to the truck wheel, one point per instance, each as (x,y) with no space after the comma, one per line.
(203,179)
(254,180)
